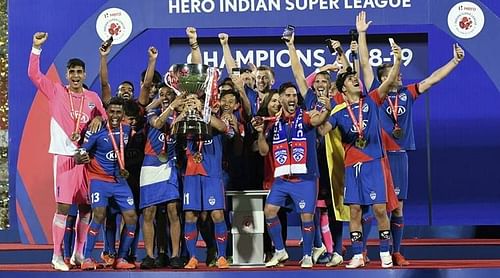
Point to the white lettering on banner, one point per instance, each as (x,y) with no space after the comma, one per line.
(245,6)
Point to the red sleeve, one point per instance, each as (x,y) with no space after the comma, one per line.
(413,88)
(376,97)
(338,98)
(307,119)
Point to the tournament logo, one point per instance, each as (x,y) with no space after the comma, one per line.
(130,201)
(211,200)
(114,22)
(373,195)
(465,20)
(281,156)
(302,204)
(298,154)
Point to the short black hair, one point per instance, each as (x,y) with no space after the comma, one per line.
(285,86)
(227,81)
(230,92)
(129,83)
(342,77)
(382,70)
(74,62)
(115,101)
(156,77)
(131,108)
(325,73)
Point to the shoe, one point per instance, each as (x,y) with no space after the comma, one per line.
(365,257)
(108,259)
(161,261)
(77,259)
(211,260)
(336,260)
(318,251)
(121,263)
(306,262)
(325,258)
(279,257)
(147,263)
(59,264)
(222,263)
(385,259)
(399,260)
(176,263)
(192,264)
(131,259)
(67,261)
(88,264)
(356,262)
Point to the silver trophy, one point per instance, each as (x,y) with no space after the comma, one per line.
(193,79)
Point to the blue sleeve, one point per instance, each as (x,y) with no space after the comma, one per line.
(333,120)
(90,141)
(252,97)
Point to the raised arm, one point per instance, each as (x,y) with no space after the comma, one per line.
(442,72)
(383,89)
(40,80)
(245,101)
(226,51)
(261,137)
(148,78)
(297,69)
(193,43)
(366,68)
(103,73)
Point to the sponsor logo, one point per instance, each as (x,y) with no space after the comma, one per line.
(401,110)
(298,154)
(281,156)
(302,204)
(373,195)
(114,22)
(84,118)
(111,156)
(465,20)
(161,138)
(354,129)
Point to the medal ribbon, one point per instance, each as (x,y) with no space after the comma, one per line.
(357,122)
(394,107)
(80,111)
(120,154)
(166,132)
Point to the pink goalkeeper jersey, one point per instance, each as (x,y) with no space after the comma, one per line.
(62,122)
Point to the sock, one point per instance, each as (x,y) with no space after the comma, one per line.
(110,234)
(397,226)
(338,233)
(191,236)
(308,235)
(221,238)
(69,236)
(325,232)
(91,238)
(82,228)
(385,237)
(274,230)
(58,229)
(317,230)
(133,246)
(357,242)
(127,236)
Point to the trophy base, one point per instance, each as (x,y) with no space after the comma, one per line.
(192,130)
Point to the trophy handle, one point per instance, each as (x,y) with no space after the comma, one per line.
(210,84)
(171,79)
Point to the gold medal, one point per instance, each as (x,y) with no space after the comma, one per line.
(124,173)
(162,157)
(397,132)
(360,143)
(197,157)
(75,137)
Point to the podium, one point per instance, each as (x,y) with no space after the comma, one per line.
(248,226)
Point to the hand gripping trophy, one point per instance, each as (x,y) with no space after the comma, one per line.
(198,80)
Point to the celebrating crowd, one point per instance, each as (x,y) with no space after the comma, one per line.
(330,146)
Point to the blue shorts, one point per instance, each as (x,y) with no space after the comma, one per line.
(364,183)
(101,191)
(303,194)
(113,208)
(202,193)
(160,188)
(399,171)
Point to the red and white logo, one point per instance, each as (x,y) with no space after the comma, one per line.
(465,20)
(114,22)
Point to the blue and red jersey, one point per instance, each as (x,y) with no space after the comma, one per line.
(211,150)
(155,143)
